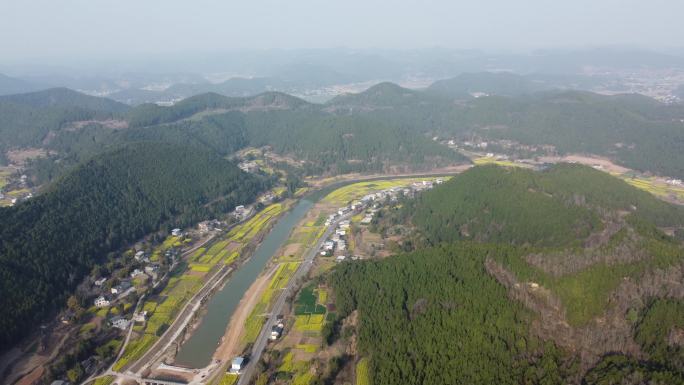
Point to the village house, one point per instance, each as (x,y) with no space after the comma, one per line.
(177,232)
(140,316)
(121,287)
(267,198)
(241,212)
(136,273)
(100,281)
(140,256)
(237,365)
(152,268)
(102,301)
(248,166)
(209,225)
(119,322)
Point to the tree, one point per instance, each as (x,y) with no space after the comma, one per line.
(75,373)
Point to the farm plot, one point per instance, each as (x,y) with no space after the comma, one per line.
(246,231)
(306,302)
(255,319)
(346,194)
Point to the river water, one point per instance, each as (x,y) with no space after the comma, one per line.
(198,350)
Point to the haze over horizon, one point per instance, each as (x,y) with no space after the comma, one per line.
(66,32)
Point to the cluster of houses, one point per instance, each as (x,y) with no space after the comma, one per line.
(206,226)
(248,166)
(106,300)
(241,212)
(267,198)
(123,323)
(338,240)
(337,243)
(125,286)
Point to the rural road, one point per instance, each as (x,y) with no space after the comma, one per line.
(262,340)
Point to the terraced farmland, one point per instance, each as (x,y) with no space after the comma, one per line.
(346,194)
(255,320)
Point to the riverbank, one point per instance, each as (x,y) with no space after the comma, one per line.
(230,344)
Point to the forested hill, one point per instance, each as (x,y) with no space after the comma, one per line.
(326,142)
(65,98)
(10,85)
(27,119)
(557,207)
(634,130)
(390,121)
(152,114)
(48,243)
(521,277)
(383,96)
(506,84)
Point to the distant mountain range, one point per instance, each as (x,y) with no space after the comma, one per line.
(10,85)
(633,130)
(250,73)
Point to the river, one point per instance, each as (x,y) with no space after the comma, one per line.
(198,350)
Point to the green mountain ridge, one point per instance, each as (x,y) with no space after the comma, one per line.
(557,207)
(633,130)
(503,83)
(522,277)
(48,243)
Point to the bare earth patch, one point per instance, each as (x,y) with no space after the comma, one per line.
(587,160)
(611,332)
(20,156)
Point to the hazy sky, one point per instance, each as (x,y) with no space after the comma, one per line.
(98,28)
